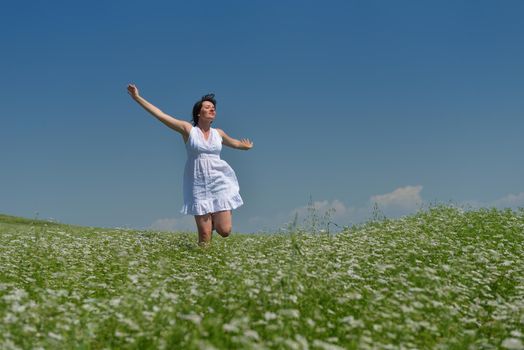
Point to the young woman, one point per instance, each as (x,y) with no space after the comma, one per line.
(211,189)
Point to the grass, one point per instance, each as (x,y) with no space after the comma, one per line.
(441,279)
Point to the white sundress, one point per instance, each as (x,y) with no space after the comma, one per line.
(210,184)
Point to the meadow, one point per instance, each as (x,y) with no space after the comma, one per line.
(444,278)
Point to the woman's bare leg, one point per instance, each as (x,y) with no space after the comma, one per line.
(222,221)
(205,226)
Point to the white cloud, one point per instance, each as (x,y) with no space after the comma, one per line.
(403,199)
(183,223)
(510,201)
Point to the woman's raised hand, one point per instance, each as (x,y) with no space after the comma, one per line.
(132,90)
(246,144)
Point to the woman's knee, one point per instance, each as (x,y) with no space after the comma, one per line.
(204,235)
(224,230)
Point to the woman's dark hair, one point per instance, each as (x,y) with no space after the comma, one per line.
(198,106)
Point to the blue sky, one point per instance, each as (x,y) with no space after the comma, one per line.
(349,103)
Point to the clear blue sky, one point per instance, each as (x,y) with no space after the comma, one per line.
(401,103)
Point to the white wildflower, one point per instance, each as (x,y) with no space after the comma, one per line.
(249,282)
(9,345)
(171,296)
(406,309)
(196,319)
(512,344)
(354,296)
(229,327)
(148,315)
(252,334)
(302,341)
(325,345)
(516,334)
(119,334)
(418,305)
(17,308)
(293,345)
(15,295)
(203,345)
(132,324)
(29,329)
(293,313)
(133,278)
(54,336)
(115,301)
(270,316)
(10,318)
(352,322)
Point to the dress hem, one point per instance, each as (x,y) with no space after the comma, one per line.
(212,206)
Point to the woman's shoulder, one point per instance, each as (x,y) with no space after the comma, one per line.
(192,129)
(189,134)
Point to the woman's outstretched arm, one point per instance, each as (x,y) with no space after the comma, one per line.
(181,126)
(244,144)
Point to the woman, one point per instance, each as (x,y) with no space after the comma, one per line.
(211,189)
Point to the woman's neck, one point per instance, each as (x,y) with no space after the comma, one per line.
(204,126)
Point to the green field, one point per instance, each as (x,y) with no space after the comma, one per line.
(441,279)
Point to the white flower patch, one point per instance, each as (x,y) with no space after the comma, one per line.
(114,302)
(10,318)
(133,278)
(16,294)
(55,336)
(249,333)
(302,341)
(512,344)
(29,329)
(249,282)
(148,315)
(325,345)
(170,296)
(268,316)
(230,327)
(9,345)
(194,291)
(193,317)
(203,345)
(517,334)
(292,313)
(354,296)
(18,308)
(352,322)
(293,345)
(119,334)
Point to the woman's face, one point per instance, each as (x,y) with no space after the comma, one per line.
(208,111)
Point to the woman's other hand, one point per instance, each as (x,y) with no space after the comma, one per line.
(246,144)
(133,91)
